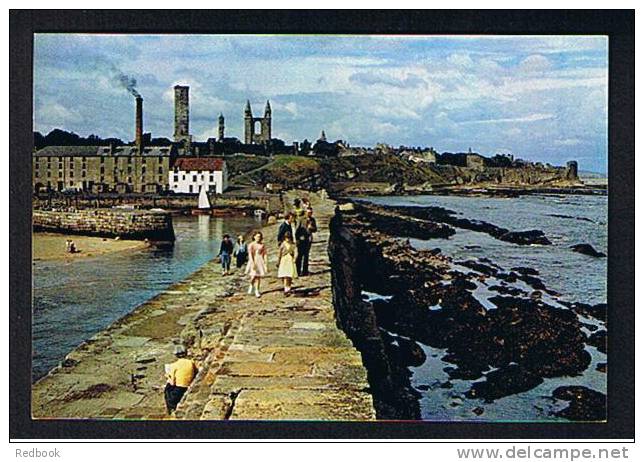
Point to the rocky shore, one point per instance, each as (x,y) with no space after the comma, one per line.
(508,344)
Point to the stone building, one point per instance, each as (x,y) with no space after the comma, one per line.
(257,130)
(102,168)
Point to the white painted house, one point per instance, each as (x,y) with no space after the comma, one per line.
(190,173)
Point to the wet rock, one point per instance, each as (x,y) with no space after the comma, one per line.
(599,340)
(590,327)
(447,385)
(598,311)
(585,404)
(507,290)
(602,367)
(533,236)
(525,270)
(480,267)
(587,249)
(478,410)
(504,382)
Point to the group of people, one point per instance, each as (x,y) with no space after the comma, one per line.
(70,246)
(294,239)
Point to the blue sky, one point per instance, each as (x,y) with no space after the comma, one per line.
(542,98)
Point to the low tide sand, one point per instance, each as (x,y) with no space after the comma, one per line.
(51,246)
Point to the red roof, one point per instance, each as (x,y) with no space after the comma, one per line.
(199,163)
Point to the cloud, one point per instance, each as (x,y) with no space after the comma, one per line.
(520,92)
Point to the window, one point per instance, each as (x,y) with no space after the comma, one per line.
(176,178)
(129,160)
(190,188)
(102,160)
(129,170)
(212,177)
(102,178)
(48,174)
(71,174)
(143,170)
(60,174)
(84,159)
(102,169)
(83,174)
(160,170)
(129,179)
(194,178)
(37,174)
(143,160)
(160,179)
(183,177)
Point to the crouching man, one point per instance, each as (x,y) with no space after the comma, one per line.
(179,374)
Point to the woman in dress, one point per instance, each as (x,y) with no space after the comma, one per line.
(286,263)
(257,266)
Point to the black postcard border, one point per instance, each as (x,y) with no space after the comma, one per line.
(618,25)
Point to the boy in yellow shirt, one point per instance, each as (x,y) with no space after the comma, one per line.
(179,374)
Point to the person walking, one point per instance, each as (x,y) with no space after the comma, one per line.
(257,266)
(298,211)
(241,251)
(225,253)
(286,263)
(287,227)
(304,237)
(179,376)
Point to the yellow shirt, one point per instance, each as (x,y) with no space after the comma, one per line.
(182,371)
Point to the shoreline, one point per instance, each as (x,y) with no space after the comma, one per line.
(492,339)
(48,246)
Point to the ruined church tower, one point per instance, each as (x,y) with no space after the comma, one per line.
(264,134)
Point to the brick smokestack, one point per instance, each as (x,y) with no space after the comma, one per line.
(138,136)
(181,113)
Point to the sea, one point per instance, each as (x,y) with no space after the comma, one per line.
(566,220)
(74,300)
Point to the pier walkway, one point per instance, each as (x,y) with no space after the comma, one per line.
(271,358)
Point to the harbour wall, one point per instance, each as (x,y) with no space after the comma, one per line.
(125,224)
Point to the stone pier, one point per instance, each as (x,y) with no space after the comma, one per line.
(271,358)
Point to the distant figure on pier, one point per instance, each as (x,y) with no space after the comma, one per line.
(257,266)
(70,246)
(225,253)
(241,251)
(180,375)
(298,211)
(304,236)
(286,263)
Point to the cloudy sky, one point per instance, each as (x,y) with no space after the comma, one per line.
(541,98)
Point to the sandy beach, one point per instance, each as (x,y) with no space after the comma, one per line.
(51,246)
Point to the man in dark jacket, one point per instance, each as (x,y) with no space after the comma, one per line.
(286,228)
(304,239)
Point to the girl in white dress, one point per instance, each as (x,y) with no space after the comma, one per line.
(286,263)
(257,266)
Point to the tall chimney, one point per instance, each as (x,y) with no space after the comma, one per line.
(181,113)
(138,136)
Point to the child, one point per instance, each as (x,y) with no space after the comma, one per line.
(225,251)
(241,251)
(257,266)
(286,263)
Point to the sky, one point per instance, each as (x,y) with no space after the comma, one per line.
(541,98)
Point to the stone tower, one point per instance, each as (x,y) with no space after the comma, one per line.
(220,136)
(572,173)
(181,114)
(264,135)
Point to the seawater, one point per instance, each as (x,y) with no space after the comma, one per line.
(566,220)
(73,300)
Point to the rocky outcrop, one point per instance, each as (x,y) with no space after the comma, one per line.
(585,404)
(587,249)
(126,224)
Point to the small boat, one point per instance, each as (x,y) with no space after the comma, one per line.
(203,207)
